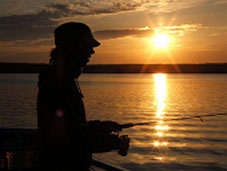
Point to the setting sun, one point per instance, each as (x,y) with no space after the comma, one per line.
(160,40)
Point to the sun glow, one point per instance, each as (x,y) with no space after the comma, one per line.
(161,40)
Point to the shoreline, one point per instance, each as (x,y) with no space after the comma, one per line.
(212,68)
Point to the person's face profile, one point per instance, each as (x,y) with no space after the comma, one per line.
(86,52)
(81,54)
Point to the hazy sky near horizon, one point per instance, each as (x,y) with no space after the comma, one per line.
(196,29)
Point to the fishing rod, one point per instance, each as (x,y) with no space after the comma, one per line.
(129,125)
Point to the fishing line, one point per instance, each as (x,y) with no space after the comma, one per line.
(129,125)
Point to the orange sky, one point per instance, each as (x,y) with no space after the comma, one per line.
(196,29)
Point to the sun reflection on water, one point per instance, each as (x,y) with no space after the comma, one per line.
(160,103)
(161,127)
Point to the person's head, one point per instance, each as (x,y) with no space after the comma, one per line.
(74,44)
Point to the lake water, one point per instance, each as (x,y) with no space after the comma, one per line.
(165,145)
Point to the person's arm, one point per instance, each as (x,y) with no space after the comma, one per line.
(55,127)
(53,124)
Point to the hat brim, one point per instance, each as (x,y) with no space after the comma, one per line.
(93,42)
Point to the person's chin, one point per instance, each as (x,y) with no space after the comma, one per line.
(84,63)
(77,72)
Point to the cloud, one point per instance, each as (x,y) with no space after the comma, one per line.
(118,33)
(165,6)
(43,23)
(98,6)
(86,8)
(103,7)
(28,27)
(145,32)
(181,29)
(220,2)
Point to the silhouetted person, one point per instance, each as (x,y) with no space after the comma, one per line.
(66,139)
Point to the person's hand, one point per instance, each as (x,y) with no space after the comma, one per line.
(110,126)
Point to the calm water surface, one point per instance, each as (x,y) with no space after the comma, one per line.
(166,145)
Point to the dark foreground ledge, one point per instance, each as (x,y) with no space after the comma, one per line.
(18,151)
(123,68)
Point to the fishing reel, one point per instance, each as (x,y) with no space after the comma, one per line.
(123,145)
(106,137)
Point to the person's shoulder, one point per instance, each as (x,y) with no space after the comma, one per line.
(47,77)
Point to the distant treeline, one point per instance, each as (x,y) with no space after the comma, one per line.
(123,68)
